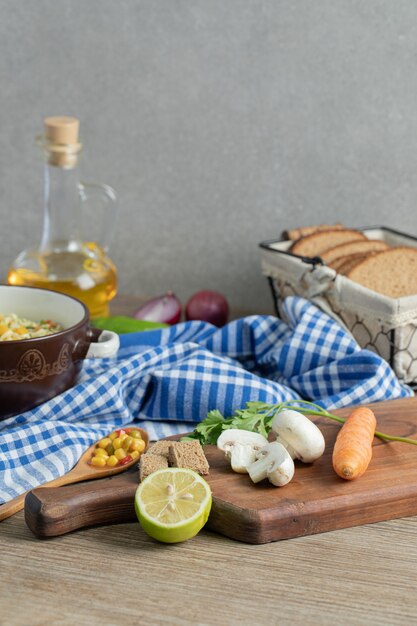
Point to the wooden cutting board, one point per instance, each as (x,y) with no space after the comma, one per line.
(315,501)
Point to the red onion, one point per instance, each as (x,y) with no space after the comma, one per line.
(208,306)
(166,309)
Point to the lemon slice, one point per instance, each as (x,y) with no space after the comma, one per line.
(173,504)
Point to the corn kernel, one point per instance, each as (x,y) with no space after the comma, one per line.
(112,461)
(100,452)
(98,461)
(134,454)
(120,454)
(3,329)
(135,434)
(138,444)
(104,442)
(117,443)
(126,442)
(22,330)
(112,436)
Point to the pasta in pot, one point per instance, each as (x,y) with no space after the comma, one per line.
(13,327)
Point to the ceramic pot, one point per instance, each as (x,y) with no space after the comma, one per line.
(35,370)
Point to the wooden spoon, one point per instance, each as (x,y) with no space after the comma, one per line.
(80,472)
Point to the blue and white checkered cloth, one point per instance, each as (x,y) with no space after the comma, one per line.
(166,381)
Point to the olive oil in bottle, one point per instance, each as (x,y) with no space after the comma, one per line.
(71,257)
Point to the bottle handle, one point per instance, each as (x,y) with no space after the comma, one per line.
(99,204)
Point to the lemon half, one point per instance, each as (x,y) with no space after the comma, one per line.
(173,504)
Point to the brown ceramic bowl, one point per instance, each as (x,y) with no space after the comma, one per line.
(35,370)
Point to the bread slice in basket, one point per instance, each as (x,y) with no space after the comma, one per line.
(313,245)
(303,231)
(392,272)
(352,248)
(344,264)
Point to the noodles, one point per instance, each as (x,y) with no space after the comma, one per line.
(13,327)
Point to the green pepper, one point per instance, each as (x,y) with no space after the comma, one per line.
(122,324)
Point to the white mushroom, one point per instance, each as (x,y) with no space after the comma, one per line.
(274,463)
(299,435)
(240,447)
(242,455)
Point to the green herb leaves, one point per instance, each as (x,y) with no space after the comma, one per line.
(256,417)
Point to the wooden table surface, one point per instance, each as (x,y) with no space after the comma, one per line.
(116,575)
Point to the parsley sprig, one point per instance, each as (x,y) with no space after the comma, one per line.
(258,416)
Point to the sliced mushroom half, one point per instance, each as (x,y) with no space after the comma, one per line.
(273,463)
(241,447)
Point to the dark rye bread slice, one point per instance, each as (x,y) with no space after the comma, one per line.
(166,453)
(303,231)
(392,273)
(160,447)
(150,463)
(313,245)
(188,454)
(351,248)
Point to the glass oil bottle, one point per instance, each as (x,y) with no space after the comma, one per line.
(72,255)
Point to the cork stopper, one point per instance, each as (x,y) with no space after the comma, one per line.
(61,141)
(62,130)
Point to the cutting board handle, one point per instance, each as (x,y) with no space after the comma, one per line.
(54,511)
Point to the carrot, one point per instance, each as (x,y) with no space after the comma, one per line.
(352,451)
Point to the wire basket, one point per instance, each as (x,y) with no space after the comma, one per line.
(384,325)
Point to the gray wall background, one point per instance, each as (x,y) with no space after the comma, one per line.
(219,123)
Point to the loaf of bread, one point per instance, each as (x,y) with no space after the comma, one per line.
(392,272)
(362,246)
(313,245)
